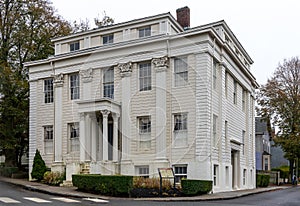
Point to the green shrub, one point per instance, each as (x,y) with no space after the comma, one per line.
(39,167)
(8,171)
(114,185)
(262,180)
(195,187)
(53,178)
(151,183)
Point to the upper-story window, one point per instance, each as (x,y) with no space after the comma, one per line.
(108,39)
(144,32)
(74,86)
(180,71)
(108,83)
(74,46)
(48,90)
(234,92)
(145,76)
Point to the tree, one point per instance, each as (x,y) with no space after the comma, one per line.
(26,29)
(279,100)
(106,21)
(39,167)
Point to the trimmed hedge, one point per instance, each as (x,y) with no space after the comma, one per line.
(195,187)
(112,185)
(262,180)
(8,171)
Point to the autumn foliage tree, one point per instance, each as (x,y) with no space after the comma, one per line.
(26,29)
(279,100)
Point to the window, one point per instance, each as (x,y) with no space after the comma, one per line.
(144,132)
(142,171)
(215,118)
(48,139)
(48,90)
(108,83)
(144,125)
(180,122)
(244,100)
(74,136)
(144,32)
(216,174)
(180,71)
(180,130)
(226,134)
(180,172)
(266,163)
(227,176)
(234,92)
(74,46)
(48,132)
(74,86)
(244,176)
(108,39)
(243,141)
(226,84)
(214,74)
(145,76)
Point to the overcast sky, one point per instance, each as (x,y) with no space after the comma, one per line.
(268,30)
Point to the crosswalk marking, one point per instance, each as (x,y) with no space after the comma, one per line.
(8,200)
(38,200)
(63,199)
(96,200)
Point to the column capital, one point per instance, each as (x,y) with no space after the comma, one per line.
(58,80)
(125,69)
(105,113)
(81,116)
(86,75)
(161,64)
(116,116)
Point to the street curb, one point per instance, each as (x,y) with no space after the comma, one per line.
(219,196)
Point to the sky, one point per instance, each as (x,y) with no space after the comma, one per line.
(268,30)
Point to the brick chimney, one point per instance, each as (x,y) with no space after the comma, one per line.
(183,17)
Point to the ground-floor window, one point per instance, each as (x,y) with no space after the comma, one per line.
(180,172)
(142,171)
(244,176)
(216,174)
(74,136)
(48,139)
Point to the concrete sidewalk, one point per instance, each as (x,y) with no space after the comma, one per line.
(72,192)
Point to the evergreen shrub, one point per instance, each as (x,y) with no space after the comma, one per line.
(195,187)
(39,167)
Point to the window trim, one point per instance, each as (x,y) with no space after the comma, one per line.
(146,31)
(179,176)
(146,80)
(74,89)
(74,46)
(181,69)
(48,94)
(109,39)
(109,86)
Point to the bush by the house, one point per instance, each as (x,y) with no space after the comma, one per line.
(195,187)
(8,171)
(113,185)
(39,167)
(150,187)
(262,180)
(53,178)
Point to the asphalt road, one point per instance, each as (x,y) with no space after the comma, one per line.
(14,195)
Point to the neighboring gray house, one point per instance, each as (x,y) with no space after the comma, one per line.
(146,94)
(262,144)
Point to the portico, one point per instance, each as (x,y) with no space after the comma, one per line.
(99,126)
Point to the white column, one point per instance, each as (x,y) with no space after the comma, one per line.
(58,85)
(125,71)
(93,137)
(82,137)
(100,142)
(105,114)
(88,141)
(236,171)
(161,66)
(115,136)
